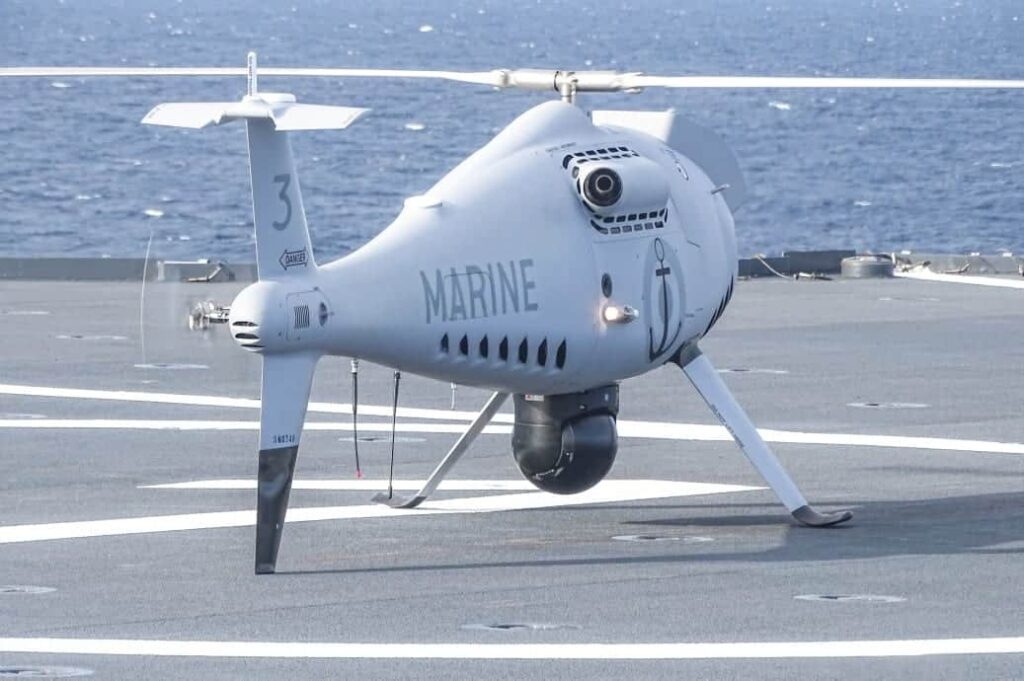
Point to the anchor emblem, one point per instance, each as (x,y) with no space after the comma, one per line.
(662,288)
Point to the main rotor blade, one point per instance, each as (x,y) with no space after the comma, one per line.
(535,79)
(491,78)
(824,82)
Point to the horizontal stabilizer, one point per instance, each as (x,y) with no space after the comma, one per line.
(316,117)
(281,109)
(193,115)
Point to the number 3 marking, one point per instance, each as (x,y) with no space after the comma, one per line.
(285,181)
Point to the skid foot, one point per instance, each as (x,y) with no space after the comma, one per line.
(806,515)
(399,502)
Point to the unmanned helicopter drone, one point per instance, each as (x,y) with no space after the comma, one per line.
(621,260)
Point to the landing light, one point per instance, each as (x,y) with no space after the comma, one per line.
(619,314)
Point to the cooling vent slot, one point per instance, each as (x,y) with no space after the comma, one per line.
(560,356)
(301,316)
(483,350)
(721,308)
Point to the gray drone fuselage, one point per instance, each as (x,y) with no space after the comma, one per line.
(500,274)
(569,253)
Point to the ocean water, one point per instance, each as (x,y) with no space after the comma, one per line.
(878,170)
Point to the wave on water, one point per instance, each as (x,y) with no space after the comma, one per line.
(880,170)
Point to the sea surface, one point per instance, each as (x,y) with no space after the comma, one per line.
(879,170)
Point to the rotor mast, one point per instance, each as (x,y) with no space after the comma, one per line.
(568,91)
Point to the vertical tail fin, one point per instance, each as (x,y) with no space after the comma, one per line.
(283,248)
(286,382)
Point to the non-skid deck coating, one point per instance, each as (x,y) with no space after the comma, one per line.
(164,589)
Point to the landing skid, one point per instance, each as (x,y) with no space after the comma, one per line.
(451,458)
(709,384)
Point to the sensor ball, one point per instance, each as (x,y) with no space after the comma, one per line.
(602,187)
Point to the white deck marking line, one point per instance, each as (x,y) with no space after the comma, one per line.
(360,485)
(235,402)
(608,491)
(518,651)
(202,424)
(628,429)
(694,431)
(928,275)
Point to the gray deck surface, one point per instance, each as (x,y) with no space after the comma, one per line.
(943,530)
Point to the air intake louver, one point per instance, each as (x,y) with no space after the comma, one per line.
(245,332)
(581,157)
